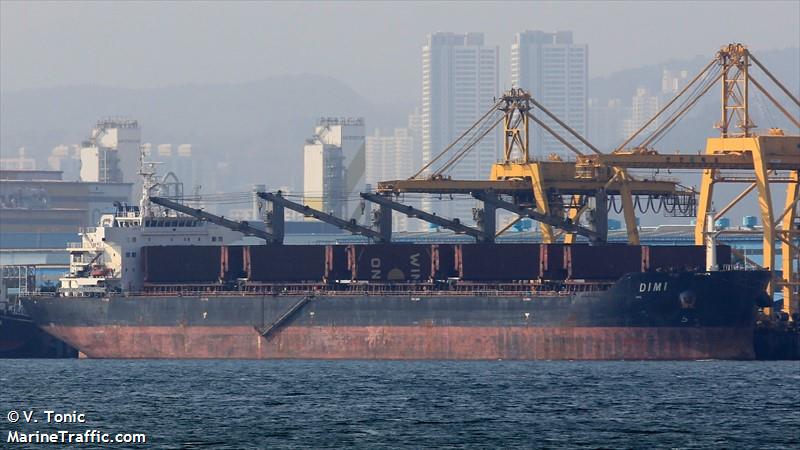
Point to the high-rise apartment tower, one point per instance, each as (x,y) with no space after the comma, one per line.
(555,71)
(459,82)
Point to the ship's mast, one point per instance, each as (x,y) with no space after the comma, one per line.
(147,172)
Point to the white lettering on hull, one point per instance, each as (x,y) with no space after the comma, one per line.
(653,286)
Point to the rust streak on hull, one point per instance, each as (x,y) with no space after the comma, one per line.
(411,342)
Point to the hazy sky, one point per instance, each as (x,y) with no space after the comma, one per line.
(373,47)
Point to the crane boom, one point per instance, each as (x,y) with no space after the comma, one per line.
(544,218)
(349,225)
(242,227)
(410,211)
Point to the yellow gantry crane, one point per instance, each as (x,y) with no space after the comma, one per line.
(737,137)
(551,187)
(552,179)
(761,161)
(563,191)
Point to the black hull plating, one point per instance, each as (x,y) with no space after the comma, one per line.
(707,306)
(20,337)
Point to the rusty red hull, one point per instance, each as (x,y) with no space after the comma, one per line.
(641,316)
(459,343)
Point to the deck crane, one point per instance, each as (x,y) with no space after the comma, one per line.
(761,160)
(278,202)
(242,227)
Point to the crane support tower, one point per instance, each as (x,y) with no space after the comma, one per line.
(740,155)
(737,137)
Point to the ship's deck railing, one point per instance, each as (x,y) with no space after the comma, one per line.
(84,245)
(387,289)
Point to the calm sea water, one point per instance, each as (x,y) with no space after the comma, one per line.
(313,404)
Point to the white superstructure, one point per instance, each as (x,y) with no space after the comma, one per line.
(109,256)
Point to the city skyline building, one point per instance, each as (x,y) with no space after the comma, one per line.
(415,129)
(606,122)
(460,79)
(672,81)
(390,157)
(19,162)
(555,70)
(643,107)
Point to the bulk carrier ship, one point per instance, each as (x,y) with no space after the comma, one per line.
(151,286)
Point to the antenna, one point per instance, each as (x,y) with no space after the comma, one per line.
(147,170)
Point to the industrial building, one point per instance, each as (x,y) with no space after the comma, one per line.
(111,153)
(40,213)
(334,166)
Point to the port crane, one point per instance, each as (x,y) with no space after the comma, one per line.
(547,191)
(759,161)
(768,159)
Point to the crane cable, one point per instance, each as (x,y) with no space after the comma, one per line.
(460,155)
(452,144)
(680,112)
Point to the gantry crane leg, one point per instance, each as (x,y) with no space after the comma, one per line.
(790,252)
(704,205)
(628,211)
(600,214)
(575,216)
(542,203)
(767,217)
